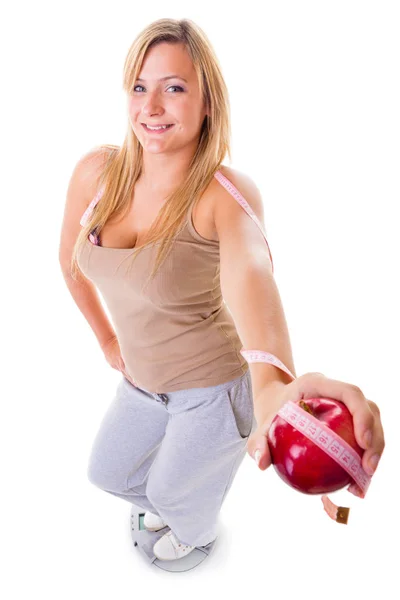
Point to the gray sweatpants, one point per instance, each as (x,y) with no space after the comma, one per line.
(175,454)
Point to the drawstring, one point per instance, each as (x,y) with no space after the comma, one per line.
(161,398)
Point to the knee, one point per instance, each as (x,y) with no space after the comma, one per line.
(97,474)
(93,474)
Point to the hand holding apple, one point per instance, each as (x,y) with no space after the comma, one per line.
(299,460)
(365,416)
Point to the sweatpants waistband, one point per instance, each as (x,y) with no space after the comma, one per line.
(200,392)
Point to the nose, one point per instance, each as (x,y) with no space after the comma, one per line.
(152,105)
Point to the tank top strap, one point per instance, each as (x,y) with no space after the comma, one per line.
(91,206)
(228,185)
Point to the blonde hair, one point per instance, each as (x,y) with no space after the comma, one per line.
(124,164)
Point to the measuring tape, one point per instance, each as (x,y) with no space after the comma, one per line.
(254,356)
(326,439)
(315,430)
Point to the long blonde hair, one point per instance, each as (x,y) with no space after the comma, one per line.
(124,164)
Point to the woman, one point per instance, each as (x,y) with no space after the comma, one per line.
(189,405)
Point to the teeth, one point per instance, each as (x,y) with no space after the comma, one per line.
(155,128)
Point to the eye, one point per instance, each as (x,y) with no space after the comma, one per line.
(178,87)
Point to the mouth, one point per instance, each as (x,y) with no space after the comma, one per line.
(159,129)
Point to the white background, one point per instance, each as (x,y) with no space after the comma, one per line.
(314,89)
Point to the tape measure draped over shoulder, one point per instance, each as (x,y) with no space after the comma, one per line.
(318,432)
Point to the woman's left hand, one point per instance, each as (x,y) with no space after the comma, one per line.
(366,418)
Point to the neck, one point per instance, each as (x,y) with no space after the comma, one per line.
(164,171)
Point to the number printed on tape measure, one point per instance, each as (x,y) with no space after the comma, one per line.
(327,440)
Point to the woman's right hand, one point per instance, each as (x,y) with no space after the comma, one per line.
(112,353)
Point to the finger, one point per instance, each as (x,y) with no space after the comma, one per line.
(356,490)
(257,443)
(317,385)
(374,452)
(265,455)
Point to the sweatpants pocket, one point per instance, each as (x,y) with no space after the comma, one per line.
(240,405)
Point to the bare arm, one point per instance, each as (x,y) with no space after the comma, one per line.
(250,291)
(81,190)
(87,300)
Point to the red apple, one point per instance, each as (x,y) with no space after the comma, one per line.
(299,461)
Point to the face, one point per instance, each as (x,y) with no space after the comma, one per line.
(173,101)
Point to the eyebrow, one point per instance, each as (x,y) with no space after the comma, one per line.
(167,77)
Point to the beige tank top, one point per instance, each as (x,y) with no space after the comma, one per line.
(178,333)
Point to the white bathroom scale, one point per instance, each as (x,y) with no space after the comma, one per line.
(144,540)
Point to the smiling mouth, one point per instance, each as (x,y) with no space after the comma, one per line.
(157,128)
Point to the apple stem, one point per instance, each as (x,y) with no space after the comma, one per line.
(305,407)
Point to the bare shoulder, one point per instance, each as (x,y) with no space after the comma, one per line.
(245,185)
(82,188)
(91,166)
